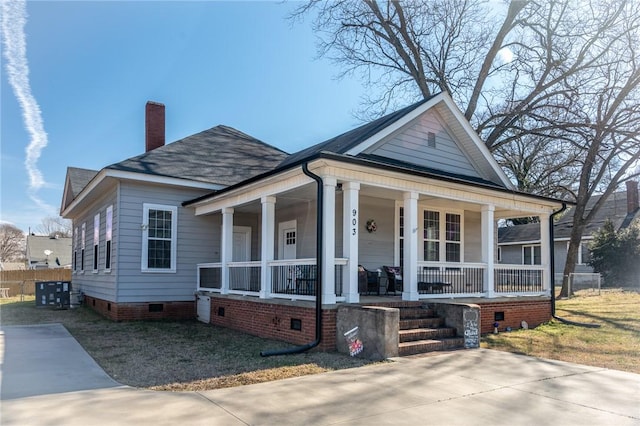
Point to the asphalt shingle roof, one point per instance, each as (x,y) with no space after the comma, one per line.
(615,209)
(79,178)
(220,155)
(345,141)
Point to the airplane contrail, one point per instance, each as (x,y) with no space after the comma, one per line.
(14,18)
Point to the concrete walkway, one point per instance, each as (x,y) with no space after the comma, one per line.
(48,379)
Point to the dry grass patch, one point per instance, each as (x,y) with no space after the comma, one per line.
(615,345)
(175,355)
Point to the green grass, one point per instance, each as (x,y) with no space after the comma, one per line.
(174,355)
(615,344)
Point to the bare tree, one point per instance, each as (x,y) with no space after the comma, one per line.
(12,243)
(551,87)
(54,227)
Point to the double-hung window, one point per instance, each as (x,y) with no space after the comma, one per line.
(531,255)
(96,241)
(159,237)
(442,239)
(82,241)
(108,236)
(76,239)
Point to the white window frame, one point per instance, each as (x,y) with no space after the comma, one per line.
(145,237)
(96,242)
(108,239)
(533,254)
(442,237)
(76,236)
(82,246)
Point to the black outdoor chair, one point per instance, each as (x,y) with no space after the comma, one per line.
(367,281)
(394,278)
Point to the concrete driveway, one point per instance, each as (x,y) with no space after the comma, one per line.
(48,379)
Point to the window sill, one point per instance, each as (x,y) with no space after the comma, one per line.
(158,271)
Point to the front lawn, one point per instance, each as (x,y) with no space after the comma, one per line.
(615,344)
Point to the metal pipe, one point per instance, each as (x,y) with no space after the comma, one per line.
(319,264)
(553,272)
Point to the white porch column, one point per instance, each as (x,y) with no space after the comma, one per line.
(350,231)
(268,242)
(488,247)
(545,252)
(226,247)
(410,267)
(329,241)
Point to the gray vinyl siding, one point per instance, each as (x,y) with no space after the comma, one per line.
(377,248)
(100,284)
(410,145)
(198,239)
(472,237)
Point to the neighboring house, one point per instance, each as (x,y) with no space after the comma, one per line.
(44,252)
(521,244)
(12,266)
(235,220)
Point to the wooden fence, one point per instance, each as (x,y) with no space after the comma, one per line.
(23,282)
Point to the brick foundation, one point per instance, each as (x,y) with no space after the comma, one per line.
(142,311)
(274,320)
(533,312)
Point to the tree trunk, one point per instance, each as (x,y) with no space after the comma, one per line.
(572,254)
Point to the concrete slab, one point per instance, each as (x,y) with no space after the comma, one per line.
(479,387)
(45,360)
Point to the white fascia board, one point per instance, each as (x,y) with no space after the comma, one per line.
(442,97)
(477,141)
(395,126)
(138,177)
(270,186)
(67,187)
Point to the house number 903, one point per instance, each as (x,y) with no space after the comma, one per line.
(354,222)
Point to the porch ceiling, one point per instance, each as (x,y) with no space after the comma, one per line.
(307,193)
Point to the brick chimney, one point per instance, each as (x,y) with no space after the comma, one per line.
(632,196)
(154,126)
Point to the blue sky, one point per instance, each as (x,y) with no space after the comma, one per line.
(93,65)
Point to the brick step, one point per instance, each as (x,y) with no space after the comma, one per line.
(430,345)
(426,334)
(407,324)
(414,313)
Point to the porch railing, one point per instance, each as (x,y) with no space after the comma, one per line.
(210,276)
(518,278)
(289,278)
(298,277)
(451,278)
(244,277)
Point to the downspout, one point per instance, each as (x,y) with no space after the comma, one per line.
(553,272)
(319,264)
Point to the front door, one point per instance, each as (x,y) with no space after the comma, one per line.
(241,277)
(287,240)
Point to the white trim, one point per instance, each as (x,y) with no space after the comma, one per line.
(422,207)
(281,227)
(455,111)
(140,177)
(96,242)
(145,237)
(108,225)
(533,254)
(398,124)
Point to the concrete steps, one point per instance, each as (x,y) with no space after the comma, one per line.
(421,331)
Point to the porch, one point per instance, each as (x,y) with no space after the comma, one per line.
(441,233)
(296,280)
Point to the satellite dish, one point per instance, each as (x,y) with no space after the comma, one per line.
(47,252)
